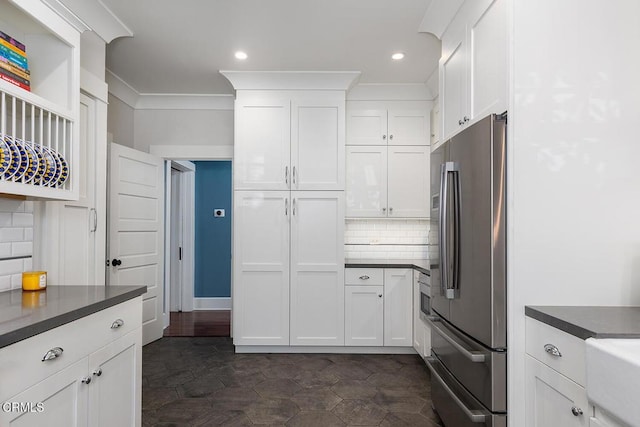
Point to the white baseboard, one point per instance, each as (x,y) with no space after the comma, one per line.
(212,303)
(323,349)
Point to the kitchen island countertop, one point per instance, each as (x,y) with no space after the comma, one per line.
(590,321)
(24,314)
(421,265)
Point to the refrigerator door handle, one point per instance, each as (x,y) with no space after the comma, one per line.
(474,356)
(473,415)
(449,289)
(457,195)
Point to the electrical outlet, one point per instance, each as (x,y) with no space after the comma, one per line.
(218,213)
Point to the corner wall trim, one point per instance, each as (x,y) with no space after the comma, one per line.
(223,303)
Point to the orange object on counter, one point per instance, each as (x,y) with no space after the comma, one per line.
(34,280)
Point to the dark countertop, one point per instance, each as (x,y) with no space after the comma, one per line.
(421,265)
(25,314)
(590,322)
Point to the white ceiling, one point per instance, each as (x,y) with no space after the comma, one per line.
(179,46)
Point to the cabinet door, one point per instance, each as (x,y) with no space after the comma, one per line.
(408,127)
(398,320)
(550,397)
(115,395)
(367,127)
(261,267)
(408,182)
(262,144)
(317,268)
(63,397)
(417,323)
(488,57)
(453,75)
(317,144)
(364,315)
(366,182)
(435,124)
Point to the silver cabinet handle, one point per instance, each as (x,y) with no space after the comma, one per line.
(474,416)
(384,210)
(117,323)
(384,137)
(474,356)
(465,119)
(293,176)
(576,411)
(94,215)
(86,380)
(552,350)
(390,211)
(460,122)
(286,175)
(364,277)
(97,372)
(390,137)
(293,208)
(380,295)
(54,353)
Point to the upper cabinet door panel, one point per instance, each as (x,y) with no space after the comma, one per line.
(262,145)
(488,35)
(408,182)
(366,192)
(408,127)
(367,127)
(453,90)
(317,145)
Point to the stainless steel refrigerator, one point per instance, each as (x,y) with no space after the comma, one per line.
(468,360)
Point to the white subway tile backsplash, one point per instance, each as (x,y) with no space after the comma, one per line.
(21,248)
(22,219)
(11,266)
(386,238)
(16,240)
(5,283)
(5,219)
(11,234)
(5,250)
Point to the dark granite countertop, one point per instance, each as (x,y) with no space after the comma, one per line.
(589,321)
(25,314)
(419,264)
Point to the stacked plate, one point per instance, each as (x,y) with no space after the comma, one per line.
(31,163)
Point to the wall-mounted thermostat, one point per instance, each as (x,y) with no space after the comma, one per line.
(218,213)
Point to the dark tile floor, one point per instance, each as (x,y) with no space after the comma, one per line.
(202,382)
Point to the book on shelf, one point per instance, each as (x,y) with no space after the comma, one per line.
(15,77)
(5,60)
(4,36)
(8,66)
(11,47)
(17,59)
(14,82)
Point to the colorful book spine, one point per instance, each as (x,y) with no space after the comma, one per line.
(8,45)
(15,77)
(14,82)
(4,60)
(8,66)
(13,57)
(16,43)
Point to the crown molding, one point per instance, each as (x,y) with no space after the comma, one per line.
(390,92)
(91,14)
(438,16)
(291,80)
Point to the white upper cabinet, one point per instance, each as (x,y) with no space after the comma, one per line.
(387,123)
(473,66)
(40,120)
(366,181)
(289,141)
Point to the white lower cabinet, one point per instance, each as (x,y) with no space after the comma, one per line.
(94,380)
(379,307)
(364,320)
(555,378)
(288,268)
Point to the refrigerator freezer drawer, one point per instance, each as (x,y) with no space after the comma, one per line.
(480,370)
(455,406)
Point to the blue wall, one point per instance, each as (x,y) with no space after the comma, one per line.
(213,235)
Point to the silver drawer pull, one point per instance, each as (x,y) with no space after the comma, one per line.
(552,350)
(365,277)
(97,372)
(52,354)
(576,411)
(86,380)
(117,323)
(472,355)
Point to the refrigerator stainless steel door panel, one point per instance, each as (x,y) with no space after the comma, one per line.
(471,239)
(480,370)
(455,405)
(439,303)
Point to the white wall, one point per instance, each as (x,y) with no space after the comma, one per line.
(120,121)
(182,127)
(574,150)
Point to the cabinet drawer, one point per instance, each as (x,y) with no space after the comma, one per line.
(364,276)
(21,363)
(571,359)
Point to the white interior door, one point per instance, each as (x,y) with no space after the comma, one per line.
(136,230)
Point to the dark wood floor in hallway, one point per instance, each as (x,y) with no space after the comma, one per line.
(202,382)
(199,324)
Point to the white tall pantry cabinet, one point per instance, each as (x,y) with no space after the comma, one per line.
(288,260)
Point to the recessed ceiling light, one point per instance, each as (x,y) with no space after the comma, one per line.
(397,56)
(241,55)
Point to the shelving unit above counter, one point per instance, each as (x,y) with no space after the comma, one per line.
(39,147)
